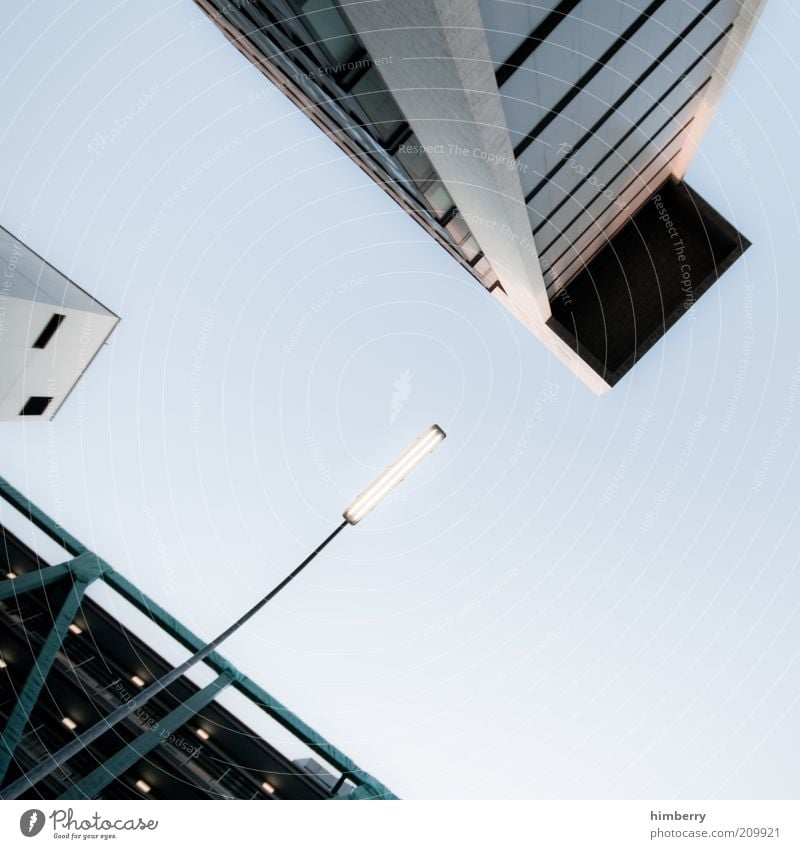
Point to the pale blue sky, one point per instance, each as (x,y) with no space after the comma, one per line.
(574,597)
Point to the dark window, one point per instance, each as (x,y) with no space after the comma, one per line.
(379,105)
(49,329)
(35,405)
(413,158)
(470,248)
(345,66)
(482,267)
(333,34)
(439,199)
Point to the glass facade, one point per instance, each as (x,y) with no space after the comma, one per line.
(323,21)
(318,40)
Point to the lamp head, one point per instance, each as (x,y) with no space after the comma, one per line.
(395,474)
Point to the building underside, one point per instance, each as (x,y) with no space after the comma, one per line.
(525,138)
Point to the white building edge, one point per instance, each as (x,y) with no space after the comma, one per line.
(442,74)
(548,124)
(50,331)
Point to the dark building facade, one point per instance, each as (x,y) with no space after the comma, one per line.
(525,137)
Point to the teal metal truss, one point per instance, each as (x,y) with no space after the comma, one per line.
(86,567)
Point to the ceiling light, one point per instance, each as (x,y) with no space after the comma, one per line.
(3,664)
(143,786)
(267,787)
(11,575)
(75,629)
(69,723)
(395,474)
(135,679)
(202,733)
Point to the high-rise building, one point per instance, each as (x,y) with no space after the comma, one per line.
(543,144)
(50,330)
(67,661)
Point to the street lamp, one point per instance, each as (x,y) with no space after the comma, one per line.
(363,504)
(395,474)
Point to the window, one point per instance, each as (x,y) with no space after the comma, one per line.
(49,329)
(413,158)
(482,267)
(378,105)
(457,228)
(326,24)
(439,198)
(470,248)
(35,405)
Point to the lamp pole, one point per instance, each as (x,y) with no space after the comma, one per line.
(360,507)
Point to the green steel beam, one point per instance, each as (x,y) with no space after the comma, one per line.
(368,791)
(97,780)
(253,691)
(86,567)
(40,519)
(29,695)
(369,786)
(12,587)
(374,789)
